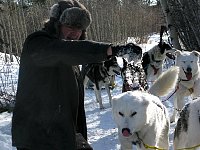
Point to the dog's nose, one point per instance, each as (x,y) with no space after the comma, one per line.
(189,69)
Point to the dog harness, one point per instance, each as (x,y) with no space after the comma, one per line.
(140,141)
(187,148)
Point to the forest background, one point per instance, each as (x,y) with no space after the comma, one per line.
(112,21)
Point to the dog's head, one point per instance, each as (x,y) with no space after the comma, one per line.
(164,47)
(134,52)
(129,112)
(188,63)
(112,66)
(159,51)
(133,76)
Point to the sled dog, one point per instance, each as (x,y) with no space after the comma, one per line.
(189,78)
(133,76)
(153,60)
(187,130)
(141,117)
(100,74)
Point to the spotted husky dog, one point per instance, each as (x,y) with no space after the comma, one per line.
(133,77)
(101,75)
(187,130)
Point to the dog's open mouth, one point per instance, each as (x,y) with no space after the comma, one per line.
(188,75)
(126,132)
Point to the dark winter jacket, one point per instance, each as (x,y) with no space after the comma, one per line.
(50,90)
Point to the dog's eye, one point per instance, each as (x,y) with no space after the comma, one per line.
(133,114)
(191,61)
(121,114)
(184,62)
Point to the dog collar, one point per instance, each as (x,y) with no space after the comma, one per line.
(138,141)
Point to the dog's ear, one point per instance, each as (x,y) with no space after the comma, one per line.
(196,53)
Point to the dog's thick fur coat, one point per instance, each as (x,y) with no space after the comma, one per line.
(141,117)
(189,78)
(152,60)
(133,76)
(187,130)
(101,75)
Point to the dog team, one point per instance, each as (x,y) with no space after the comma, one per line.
(141,117)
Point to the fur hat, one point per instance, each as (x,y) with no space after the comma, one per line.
(71,13)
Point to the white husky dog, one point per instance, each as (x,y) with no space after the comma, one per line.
(189,78)
(141,117)
(187,131)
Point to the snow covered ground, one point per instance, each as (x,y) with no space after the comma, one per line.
(102,131)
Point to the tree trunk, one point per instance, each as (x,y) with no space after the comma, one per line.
(170,24)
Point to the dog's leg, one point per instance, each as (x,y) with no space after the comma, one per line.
(150,76)
(180,101)
(196,88)
(96,93)
(173,117)
(178,105)
(100,99)
(98,96)
(86,79)
(164,137)
(109,94)
(112,82)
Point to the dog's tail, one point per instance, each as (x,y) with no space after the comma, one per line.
(165,82)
